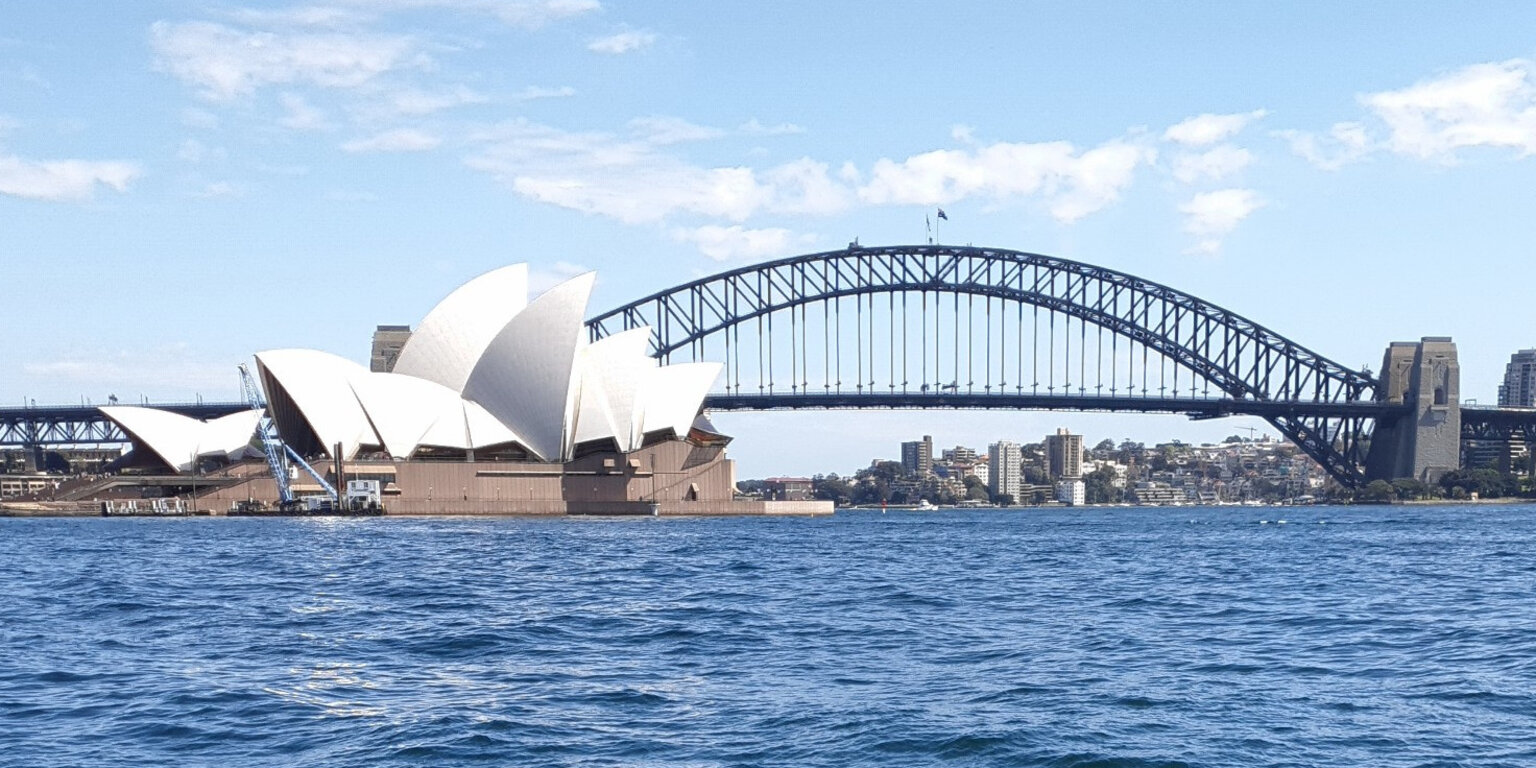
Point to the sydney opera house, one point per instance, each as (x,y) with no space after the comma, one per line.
(494,405)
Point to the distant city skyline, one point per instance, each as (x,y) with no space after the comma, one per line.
(186,183)
(1519,386)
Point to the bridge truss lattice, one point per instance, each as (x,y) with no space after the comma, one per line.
(963,327)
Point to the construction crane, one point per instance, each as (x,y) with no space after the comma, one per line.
(276,450)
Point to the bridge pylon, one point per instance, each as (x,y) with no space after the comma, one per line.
(1425,441)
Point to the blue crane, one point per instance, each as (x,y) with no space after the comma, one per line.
(276,450)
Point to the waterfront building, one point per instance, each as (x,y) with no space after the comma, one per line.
(1518,390)
(1071,492)
(1155,493)
(1511,456)
(1064,455)
(487,372)
(789,488)
(1005,475)
(493,404)
(982,471)
(388,341)
(917,457)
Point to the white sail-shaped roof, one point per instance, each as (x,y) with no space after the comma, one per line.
(486,368)
(452,337)
(528,376)
(403,409)
(171,436)
(320,385)
(613,370)
(673,394)
(176,439)
(449,430)
(228,436)
(484,429)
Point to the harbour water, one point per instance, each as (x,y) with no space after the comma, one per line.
(1381,636)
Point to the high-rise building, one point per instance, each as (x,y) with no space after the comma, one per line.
(1004,476)
(1519,387)
(917,457)
(961,454)
(388,340)
(1064,455)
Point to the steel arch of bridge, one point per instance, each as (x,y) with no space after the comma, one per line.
(1326,409)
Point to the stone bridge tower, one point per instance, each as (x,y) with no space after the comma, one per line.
(1425,442)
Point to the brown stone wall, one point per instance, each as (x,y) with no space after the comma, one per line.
(670,478)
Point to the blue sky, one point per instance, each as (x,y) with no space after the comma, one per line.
(184,183)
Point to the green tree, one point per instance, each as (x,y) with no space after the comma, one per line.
(1376,491)
(1486,483)
(833,488)
(1409,488)
(976,490)
(1099,487)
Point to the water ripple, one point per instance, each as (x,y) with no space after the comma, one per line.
(1191,637)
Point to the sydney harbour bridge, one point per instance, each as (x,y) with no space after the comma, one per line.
(960,327)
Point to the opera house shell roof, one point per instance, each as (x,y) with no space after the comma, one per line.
(486,371)
(180,441)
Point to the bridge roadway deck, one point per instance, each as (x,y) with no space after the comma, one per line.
(1205,408)
(84,425)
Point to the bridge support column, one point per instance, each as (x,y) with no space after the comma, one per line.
(1425,442)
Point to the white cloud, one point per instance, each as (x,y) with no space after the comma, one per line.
(754,128)
(671,130)
(804,186)
(414,103)
(1073,184)
(399,140)
(194,151)
(1344,144)
(220,189)
(62,180)
(1211,216)
(528,15)
(1204,130)
(193,117)
(735,242)
(631,180)
(533,92)
(1483,105)
(653,193)
(623,42)
(1214,165)
(227,63)
(622,179)
(304,16)
(299,115)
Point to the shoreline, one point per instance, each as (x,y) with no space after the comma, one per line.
(77,510)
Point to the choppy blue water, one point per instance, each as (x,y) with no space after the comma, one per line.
(1117,637)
